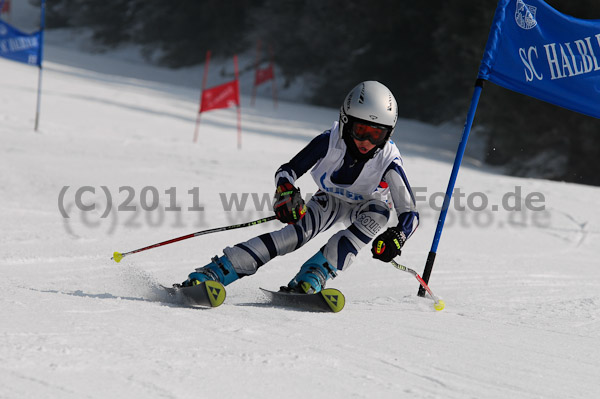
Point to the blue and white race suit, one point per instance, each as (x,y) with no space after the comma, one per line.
(358,193)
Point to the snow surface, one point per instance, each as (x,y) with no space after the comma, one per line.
(522,288)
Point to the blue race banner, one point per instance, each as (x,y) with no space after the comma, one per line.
(18,46)
(535,50)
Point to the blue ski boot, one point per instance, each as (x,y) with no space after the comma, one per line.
(312,275)
(220,269)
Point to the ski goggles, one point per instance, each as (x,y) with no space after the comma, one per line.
(376,134)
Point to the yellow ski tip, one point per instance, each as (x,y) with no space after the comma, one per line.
(117,256)
(216,292)
(334,298)
(439,305)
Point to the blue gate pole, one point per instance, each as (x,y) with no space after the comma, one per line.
(457,161)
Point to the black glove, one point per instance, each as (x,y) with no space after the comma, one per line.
(388,244)
(289,206)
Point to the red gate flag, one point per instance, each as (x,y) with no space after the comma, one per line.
(264,75)
(222,96)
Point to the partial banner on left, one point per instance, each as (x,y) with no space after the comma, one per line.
(18,46)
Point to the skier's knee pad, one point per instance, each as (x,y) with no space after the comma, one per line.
(371,217)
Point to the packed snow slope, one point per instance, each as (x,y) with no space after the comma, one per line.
(517,264)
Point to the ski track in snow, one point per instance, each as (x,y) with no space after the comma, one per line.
(522,295)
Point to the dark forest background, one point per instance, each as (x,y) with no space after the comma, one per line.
(426,52)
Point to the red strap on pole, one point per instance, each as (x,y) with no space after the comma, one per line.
(201,91)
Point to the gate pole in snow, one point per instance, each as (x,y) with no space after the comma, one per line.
(40,55)
(457,161)
(201,91)
(273,81)
(239,110)
(256,64)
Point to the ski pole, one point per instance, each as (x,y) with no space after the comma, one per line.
(438,303)
(117,256)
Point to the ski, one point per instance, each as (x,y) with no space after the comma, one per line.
(328,300)
(208,294)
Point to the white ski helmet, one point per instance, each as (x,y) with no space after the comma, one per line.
(369,112)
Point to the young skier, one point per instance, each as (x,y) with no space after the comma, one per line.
(359,173)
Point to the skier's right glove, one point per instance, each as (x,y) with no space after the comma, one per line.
(289,206)
(388,245)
